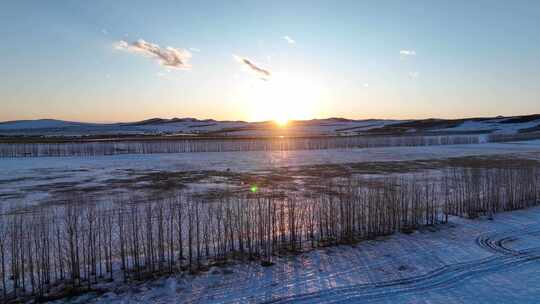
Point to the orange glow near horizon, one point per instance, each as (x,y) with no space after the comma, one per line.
(281,121)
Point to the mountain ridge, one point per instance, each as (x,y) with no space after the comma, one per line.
(325,126)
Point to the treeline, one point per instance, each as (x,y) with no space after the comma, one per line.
(224,145)
(78,245)
(513,137)
(476,192)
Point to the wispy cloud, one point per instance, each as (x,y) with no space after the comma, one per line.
(262,73)
(196,50)
(289,39)
(407,53)
(169,57)
(414,75)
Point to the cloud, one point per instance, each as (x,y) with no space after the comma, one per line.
(289,39)
(407,52)
(260,72)
(169,57)
(414,75)
(196,50)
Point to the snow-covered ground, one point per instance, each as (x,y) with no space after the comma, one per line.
(465,261)
(256,160)
(39,180)
(330,126)
(495,125)
(188,126)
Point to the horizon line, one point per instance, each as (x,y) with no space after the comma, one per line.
(265,121)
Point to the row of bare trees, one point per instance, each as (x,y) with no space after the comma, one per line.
(78,245)
(475,192)
(505,137)
(223,145)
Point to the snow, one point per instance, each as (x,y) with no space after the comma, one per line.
(189,126)
(37,179)
(38,124)
(256,160)
(331,126)
(494,125)
(465,261)
(528,142)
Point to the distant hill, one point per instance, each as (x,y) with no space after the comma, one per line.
(329,126)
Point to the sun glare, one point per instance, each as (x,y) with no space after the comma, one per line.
(281,121)
(281,99)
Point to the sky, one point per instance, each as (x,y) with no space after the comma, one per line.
(108,61)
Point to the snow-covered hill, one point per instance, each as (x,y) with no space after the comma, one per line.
(192,126)
(330,126)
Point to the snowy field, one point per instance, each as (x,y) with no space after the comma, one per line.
(464,261)
(40,180)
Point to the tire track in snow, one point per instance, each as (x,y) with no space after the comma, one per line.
(496,241)
(442,277)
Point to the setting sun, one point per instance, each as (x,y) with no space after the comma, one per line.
(281,99)
(281,121)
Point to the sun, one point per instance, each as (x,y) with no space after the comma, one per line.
(281,121)
(282,99)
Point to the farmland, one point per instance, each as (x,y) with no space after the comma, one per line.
(83,216)
(285,152)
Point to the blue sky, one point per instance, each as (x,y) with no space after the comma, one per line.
(356,59)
